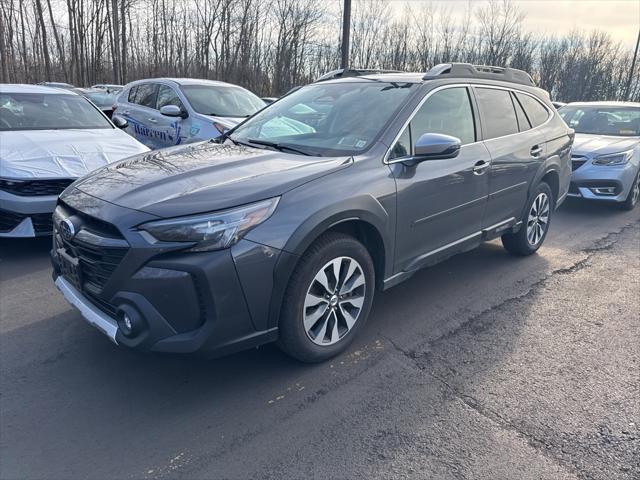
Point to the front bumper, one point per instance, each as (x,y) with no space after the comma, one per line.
(23,216)
(595,182)
(91,313)
(210,302)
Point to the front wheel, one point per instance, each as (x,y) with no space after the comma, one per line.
(328,299)
(634,195)
(535,224)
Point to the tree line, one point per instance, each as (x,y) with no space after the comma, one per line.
(270,47)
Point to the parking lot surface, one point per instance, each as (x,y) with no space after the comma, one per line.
(486,366)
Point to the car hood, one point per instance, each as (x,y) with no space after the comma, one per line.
(592,145)
(62,153)
(202,177)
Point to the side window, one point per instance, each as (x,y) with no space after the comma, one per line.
(497,112)
(167,96)
(132,94)
(402,148)
(536,112)
(146,95)
(523,121)
(448,112)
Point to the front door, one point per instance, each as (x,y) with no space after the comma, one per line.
(440,203)
(170,128)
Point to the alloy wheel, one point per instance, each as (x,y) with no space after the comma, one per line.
(538,219)
(334,301)
(636,190)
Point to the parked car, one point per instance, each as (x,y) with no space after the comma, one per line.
(606,151)
(67,86)
(104,99)
(48,138)
(170,111)
(109,87)
(278,232)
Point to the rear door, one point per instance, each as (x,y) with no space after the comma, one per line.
(440,203)
(142,110)
(516,151)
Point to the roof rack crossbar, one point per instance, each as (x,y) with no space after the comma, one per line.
(352,72)
(489,72)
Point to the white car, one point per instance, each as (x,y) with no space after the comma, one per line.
(48,138)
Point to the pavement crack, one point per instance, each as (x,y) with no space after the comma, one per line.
(493,416)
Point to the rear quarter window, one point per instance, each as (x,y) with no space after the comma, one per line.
(536,112)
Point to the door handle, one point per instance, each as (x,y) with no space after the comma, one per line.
(152,120)
(480,167)
(536,150)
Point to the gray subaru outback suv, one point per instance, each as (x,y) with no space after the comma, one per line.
(284,228)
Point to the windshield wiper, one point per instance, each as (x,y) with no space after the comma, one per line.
(278,146)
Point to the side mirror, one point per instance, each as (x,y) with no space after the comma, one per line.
(119,121)
(172,111)
(436,146)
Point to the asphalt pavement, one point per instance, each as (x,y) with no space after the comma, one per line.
(486,366)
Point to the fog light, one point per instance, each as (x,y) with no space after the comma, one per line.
(604,190)
(130,322)
(127,322)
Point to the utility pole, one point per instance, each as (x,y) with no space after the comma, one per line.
(633,67)
(346,28)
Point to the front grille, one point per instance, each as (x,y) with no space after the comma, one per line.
(35,187)
(96,263)
(577,161)
(42,223)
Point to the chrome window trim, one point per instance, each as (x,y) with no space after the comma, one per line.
(386,160)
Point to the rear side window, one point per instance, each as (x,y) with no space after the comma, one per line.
(132,94)
(523,121)
(146,95)
(536,112)
(497,112)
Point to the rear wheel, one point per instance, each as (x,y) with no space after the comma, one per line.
(634,195)
(328,299)
(535,223)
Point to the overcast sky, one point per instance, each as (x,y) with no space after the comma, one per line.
(621,18)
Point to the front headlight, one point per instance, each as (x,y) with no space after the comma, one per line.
(614,158)
(212,231)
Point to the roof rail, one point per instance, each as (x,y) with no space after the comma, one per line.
(466,70)
(352,72)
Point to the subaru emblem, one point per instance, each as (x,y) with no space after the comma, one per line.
(67,230)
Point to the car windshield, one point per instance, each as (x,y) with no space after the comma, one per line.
(603,120)
(222,101)
(328,119)
(102,98)
(37,111)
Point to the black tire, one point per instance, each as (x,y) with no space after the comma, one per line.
(519,243)
(634,195)
(293,337)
